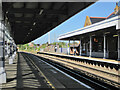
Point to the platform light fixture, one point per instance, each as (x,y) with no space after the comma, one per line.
(115,35)
(34,23)
(93,35)
(41,11)
(6,12)
(107,32)
(30,29)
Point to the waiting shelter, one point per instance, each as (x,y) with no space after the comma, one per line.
(100,36)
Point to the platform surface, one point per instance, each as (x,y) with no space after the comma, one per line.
(88,58)
(23,74)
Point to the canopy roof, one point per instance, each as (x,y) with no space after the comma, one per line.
(30,20)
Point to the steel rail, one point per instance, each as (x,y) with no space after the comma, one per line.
(74,74)
(99,77)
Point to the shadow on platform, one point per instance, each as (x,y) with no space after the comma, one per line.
(23,74)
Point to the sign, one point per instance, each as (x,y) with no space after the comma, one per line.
(1,43)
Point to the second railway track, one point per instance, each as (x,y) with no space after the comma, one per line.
(95,84)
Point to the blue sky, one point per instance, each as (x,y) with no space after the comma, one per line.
(98,9)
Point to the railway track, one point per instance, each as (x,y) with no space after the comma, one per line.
(28,59)
(93,83)
(107,76)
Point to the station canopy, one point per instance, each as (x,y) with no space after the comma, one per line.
(30,20)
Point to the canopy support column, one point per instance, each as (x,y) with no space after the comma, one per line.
(90,46)
(11,54)
(104,47)
(74,47)
(69,48)
(80,47)
(118,46)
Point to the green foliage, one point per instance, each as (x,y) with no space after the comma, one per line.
(43,46)
(62,44)
(25,47)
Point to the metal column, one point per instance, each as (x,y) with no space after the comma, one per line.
(80,47)
(7,48)
(48,37)
(119,46)
(104,46)
(90,46)
(74,47)
(69,47)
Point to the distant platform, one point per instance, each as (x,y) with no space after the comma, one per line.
(87,58)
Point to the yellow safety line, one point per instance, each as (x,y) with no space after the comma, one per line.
(43,74)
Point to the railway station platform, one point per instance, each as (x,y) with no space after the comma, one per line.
(30,72)
(111,61)
(21,74)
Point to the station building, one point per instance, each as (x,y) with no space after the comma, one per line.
(100,36)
